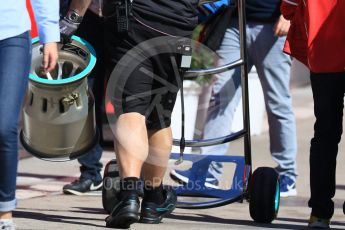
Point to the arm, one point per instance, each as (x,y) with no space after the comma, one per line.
(287,9)
(70,23)
(282,26)
(80,6)
(47,18)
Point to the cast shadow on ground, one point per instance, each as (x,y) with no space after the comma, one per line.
(201,218)
(56,218)
(47,176)
(333,223)
(340,187)
(89,210)
(303,202)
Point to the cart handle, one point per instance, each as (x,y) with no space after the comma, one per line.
(204,72)
(213,141)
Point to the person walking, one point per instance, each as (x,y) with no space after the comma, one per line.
(266,30)
(91,28)
(316,40)
(15,61)
(144,102)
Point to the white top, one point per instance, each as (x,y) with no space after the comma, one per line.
(15,20)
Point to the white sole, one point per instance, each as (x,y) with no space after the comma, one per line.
(290,193)
(94,192)
(90,193)
(179,176)
(185,180)
(208,185)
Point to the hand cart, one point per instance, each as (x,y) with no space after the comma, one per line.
(260,188)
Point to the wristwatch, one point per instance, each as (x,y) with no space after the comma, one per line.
(74,17)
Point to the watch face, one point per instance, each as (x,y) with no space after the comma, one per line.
(74,17)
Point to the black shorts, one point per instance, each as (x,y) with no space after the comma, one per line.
(143,80)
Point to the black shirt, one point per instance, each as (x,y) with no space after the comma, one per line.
(176,17)
(262,10)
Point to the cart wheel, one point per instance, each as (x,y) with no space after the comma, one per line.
(110,185)
(264,195)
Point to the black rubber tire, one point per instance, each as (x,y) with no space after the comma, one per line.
(110,187)
(264,195)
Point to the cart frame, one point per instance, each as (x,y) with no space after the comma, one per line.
(202,162)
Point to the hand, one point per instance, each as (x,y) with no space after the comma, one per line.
(282,26)
(67,29)
(50,56)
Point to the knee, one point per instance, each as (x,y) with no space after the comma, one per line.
(326,136)
(280,110)
(164,146)
(160,141)
(129,124)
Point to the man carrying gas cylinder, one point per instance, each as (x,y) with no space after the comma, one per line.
(143,137)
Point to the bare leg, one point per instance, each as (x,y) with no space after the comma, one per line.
(155,195)
(5,215)
(131,144)
(160,143)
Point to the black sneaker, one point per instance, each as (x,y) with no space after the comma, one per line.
(125,213)
(82,186)
(152,213)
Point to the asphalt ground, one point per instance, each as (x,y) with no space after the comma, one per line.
(42,205)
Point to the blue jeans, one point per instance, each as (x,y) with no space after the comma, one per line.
(92,30)
(15,61)
(273,67)
(90,164)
